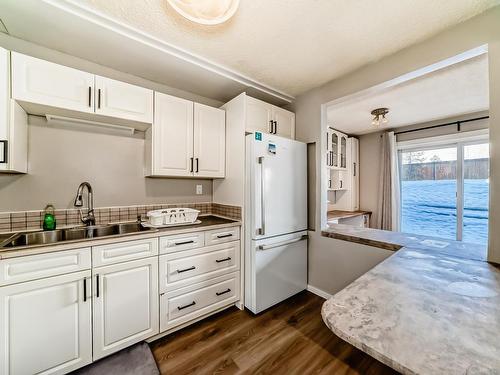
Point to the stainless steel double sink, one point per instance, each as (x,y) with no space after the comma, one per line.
(70,234)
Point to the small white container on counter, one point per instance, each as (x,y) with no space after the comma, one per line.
(155,218)
(172,216)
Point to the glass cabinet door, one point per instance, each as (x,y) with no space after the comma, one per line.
(334,150)
(328,147)
(343,152)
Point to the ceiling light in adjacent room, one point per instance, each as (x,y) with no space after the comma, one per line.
(206,12)
(379,116)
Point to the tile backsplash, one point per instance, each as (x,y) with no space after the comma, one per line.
(30,220)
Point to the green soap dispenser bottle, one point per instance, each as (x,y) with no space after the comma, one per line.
(49,218)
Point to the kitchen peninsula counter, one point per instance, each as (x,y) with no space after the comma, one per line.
(433,307)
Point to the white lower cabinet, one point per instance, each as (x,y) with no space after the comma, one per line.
(45,325)
(60,311)
(125,304)
(188,267)
(198,277)
(194,301)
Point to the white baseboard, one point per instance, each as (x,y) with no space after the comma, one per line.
(318,292)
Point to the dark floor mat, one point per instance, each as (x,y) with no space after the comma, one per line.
(135,360)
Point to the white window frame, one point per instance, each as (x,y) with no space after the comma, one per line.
(458,140)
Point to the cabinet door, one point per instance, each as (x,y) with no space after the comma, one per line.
(209,141)
(125,304)
(339,180)
(343,151)
(4,109)
(329,152)
(285,123)
(354,172)
(334,149)
(172,136)
(43,82)
(258,115)
(13,124)
(123,100)
(45,325)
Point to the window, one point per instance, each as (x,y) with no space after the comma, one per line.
(445,190)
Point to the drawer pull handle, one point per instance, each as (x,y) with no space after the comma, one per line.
(84,289)
(186,306)
(183,242)
(223,260)
(224,292)
(186,269)
(224,235)
(97,285)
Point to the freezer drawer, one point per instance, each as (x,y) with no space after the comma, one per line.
(277,269)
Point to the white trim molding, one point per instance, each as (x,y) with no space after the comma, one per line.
(410,76)
(318,292)
(87,13)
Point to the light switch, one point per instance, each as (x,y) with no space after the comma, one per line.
(199,189)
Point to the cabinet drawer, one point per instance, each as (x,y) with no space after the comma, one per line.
(197,300)
(178,242)
(124,251)
(188,267)
(33,267)
(216,236)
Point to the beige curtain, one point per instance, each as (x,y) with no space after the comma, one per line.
(388,199)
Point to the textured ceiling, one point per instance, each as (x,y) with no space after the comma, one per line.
(456,90)
(295,45)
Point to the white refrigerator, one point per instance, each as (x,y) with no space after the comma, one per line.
(275,220)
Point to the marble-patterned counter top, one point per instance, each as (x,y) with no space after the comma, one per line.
(396,240)
(430,308)
(208,222)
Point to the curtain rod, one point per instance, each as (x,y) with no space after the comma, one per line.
(457,123)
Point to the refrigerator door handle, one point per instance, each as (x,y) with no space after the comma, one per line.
(278,244)
(262,229)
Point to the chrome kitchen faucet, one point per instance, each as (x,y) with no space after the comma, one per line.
(89,219)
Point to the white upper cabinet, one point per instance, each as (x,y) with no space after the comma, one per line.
(46,88)
(13,124)
(284,123)
(171,137)
(119,99)
(267,118)
(259,115)
(125,298)
(336,149)
(46,325)
(187,139)
(209,141)
(39,81)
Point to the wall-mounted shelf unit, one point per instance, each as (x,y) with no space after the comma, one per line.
(342,169)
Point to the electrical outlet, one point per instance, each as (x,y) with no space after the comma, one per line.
(199,189)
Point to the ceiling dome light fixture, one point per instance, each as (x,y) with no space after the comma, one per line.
(206,12)
(379,116)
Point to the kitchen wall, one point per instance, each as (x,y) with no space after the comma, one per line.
(370,146)
(61,157)
(325,272)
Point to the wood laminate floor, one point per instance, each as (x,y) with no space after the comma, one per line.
(289,338)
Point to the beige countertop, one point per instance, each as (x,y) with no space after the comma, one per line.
(431,308)
(208,222)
